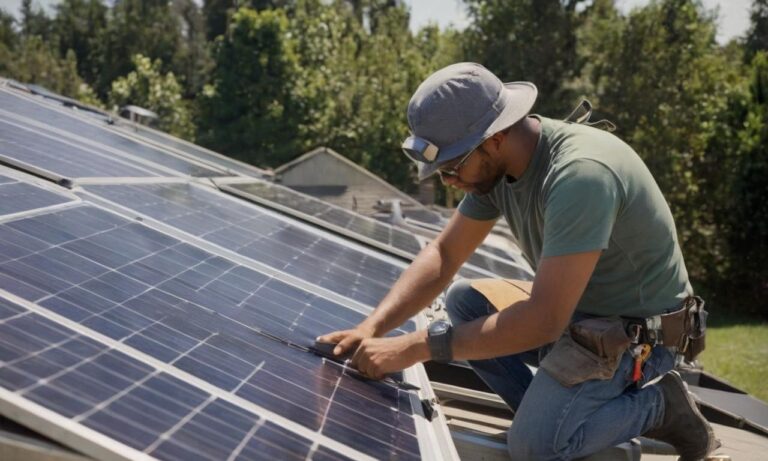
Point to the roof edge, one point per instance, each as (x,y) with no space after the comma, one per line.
(327,150)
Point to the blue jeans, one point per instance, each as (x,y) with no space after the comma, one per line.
(554,422)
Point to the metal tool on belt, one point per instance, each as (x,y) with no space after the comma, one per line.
(682,330)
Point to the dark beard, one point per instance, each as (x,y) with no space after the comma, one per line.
(485,187)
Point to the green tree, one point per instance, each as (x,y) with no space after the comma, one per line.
(757,37)
(144,27)
(218,12)
(35,61)
(746,213)
(192,61)
(532,40)
(248,111)
(146,86)
(78,25)
(438,48)
(34,21)
(666,83)
(356,75)
(8,35)
(601,29)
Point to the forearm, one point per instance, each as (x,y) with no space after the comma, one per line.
(518,328)
(416,288)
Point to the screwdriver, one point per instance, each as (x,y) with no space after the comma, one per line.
(641,352)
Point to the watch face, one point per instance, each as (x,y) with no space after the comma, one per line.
(438,328)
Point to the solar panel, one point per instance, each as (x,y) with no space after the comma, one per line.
(503,269)
(123,341)
(206,317)
(261,236)
(327,215)
(17,196)
(336,217)
(96,136)
(188,148)
(147,134)
(488,258)
(35,151)
(424,216)
(144,408)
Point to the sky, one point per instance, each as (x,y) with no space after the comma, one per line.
(733,18)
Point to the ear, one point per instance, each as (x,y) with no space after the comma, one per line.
(495,141)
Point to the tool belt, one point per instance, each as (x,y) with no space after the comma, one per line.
(683,330)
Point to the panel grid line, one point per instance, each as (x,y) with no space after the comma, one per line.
(167,434)
(191,379)
(245,440)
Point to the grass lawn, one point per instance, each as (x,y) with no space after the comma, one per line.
(737,351)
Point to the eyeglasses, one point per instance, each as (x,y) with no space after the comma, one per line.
(453,171)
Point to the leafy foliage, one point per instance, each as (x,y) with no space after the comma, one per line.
(267,80)
(757,38)
(144,27)
(8,37)
(532,40)
(146,86)
(34,61)
(669,119)
(355,82)
(78,25)
(746,282)
(248,111)
(34,21)
(191,61)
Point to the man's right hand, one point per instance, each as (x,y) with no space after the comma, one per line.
(347,340)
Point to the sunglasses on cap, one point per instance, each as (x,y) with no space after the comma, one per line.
(419,149)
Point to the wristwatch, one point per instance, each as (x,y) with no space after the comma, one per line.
(439,335)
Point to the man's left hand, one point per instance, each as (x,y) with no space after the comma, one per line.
(377,357)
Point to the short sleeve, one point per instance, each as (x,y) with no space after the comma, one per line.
(580,209)
(479,207)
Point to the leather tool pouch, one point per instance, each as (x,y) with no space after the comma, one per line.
(686,328)
(590,349)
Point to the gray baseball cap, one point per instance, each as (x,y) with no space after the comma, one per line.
(457,108)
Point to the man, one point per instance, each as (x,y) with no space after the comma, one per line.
(590,218)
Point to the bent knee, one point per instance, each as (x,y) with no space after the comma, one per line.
(531,442)
(527,443)
(463,303)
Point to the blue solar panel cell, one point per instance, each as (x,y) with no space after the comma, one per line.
(74,125)
(26,145)
(334,217)
(192,150)
(17,196)
(326,454)
(8,309)
(329,214)
(182,320)
(260,236)
(132,402)
(499,267)
(367,443)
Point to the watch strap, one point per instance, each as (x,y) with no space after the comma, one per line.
(440,345)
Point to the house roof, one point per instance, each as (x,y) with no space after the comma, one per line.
(360,191)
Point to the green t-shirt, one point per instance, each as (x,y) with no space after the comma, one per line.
(586,190)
